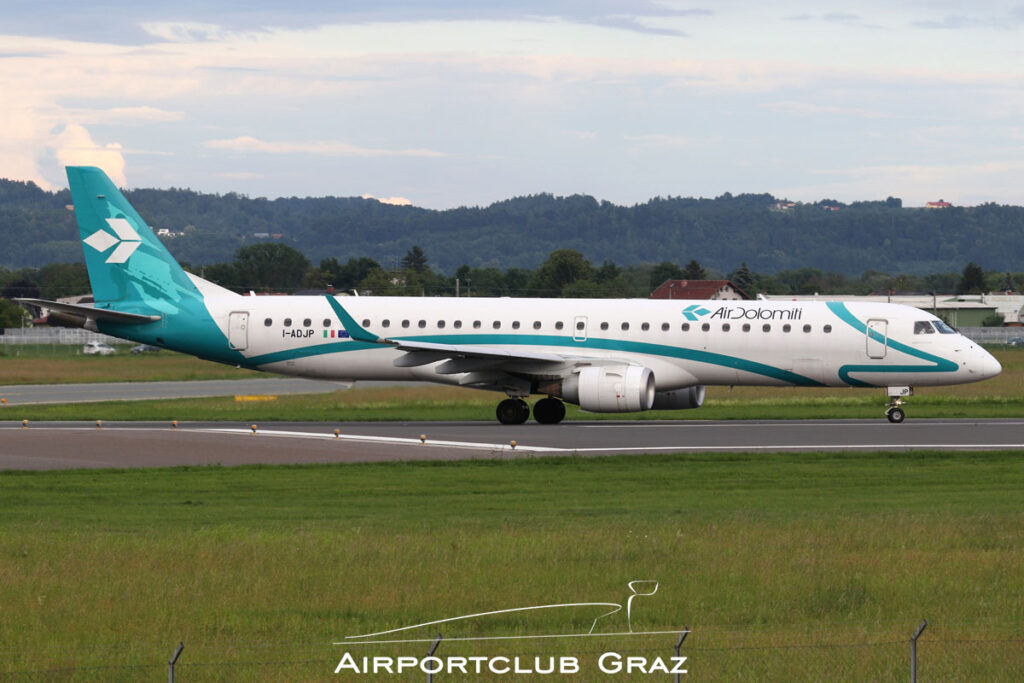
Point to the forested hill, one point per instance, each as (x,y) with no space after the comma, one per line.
(36,228)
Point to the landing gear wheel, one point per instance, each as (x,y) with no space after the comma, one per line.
(548,411)
(895,415)
(513,411)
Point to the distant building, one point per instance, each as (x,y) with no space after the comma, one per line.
(941,204)
(698,289)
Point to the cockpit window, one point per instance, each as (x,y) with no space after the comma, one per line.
(923,327)
(943,328)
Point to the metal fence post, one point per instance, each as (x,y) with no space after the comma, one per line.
(433,649)
(679,644)
(170,664)
(913,650)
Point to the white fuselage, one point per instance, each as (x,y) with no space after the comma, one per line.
(684,343)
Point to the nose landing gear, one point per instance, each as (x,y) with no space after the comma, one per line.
(896,395)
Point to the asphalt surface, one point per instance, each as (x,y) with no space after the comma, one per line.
(84,445)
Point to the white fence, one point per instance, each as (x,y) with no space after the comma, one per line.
(992,335)
(54,335)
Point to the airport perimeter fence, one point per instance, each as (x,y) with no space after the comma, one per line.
(54,336)
(711,654)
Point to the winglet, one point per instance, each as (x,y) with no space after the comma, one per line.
(354,329)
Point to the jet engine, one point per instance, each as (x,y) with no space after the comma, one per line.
(610,388)
(680,399)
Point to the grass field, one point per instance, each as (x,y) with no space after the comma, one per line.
(63,364)
(786,567)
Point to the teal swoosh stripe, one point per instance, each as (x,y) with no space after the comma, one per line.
(354,329)
(939,364)
(546,340)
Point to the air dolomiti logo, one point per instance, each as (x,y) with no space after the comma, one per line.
(127,240)
(694,311)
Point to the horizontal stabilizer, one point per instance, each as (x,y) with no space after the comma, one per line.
(91,313)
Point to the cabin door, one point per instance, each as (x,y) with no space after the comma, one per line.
(238,330)
(876,340)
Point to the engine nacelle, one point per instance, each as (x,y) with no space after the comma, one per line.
(611,389)
(680,399)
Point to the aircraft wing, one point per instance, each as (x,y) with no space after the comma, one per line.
(473,351)
(483,365)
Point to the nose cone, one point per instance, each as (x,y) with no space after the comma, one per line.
(988,366)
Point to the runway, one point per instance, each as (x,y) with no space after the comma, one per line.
(64,445)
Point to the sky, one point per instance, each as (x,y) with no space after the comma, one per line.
(452,103)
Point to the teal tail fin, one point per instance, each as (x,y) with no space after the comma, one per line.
(128,265)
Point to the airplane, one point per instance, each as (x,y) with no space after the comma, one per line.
(604,355)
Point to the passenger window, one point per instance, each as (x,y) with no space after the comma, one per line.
(476,324)
(307,322)
(766,328)
(327,322)
(664,327)
(268,322)
(287,322)
(385,323)
(440,324)
(705,327)
(496,324)
(686,327)
(746,327)
(457,324)
(726,327)
(405,323)
(645,327)
(827,329)
(421,324)
(787,327)
(923,327)
(559,325)
(604,326)
(580,325)
(807,328)
(515,324)
(536,324)
(625,327)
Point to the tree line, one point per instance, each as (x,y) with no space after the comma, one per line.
(769,234)
(279,268)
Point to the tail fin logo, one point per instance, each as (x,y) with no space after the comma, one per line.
(127,240)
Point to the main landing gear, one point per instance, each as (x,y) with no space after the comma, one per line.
(516,411)
(896,394)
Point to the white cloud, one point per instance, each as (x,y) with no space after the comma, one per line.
(396,201)
(75,147)
(247,143)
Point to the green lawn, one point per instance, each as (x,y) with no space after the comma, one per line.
(786,567)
